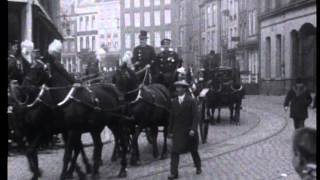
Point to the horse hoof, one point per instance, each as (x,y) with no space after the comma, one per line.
(95,176)
(155,155)
(89,169)
(163,157)
(100,162)
(113,159)
(68,175)
(135,163)
(122,174)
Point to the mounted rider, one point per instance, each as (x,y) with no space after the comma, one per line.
(166,64)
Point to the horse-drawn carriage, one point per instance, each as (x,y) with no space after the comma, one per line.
(223,89)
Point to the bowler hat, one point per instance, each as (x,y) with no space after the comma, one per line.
(181,83)
(165,40)
(143,34)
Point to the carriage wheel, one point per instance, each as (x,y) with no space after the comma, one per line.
(204,123)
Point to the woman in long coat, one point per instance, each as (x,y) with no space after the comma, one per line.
(183,128)
(299,99)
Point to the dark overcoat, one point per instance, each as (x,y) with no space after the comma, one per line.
(299,100)
(143,55)
(184,117)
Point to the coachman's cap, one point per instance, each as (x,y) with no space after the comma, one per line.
(166,40)
(143,34)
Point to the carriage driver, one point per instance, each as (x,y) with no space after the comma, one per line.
(167,61)
(143,54)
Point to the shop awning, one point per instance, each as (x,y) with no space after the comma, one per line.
(43,16)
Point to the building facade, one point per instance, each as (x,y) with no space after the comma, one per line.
(248,47)
(154,16)
(210,26)
(108,27)
(287,44)
(69,25)
(186,21)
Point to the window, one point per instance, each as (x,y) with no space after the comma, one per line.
(87,42)
(136,3)
(93,43)
(254,17)
(92,22)
(148,40)
(181,34)
(136,39)
(214,14)
(69,46)
(278,55)
(87,22)
(268,57)
(127,41)
(72,46)
(127,3)
(209,14)
(81,43)
(250,22)
(136,19)
(127,20)
(157,39)
(167,34)
(81,24)
(157,18)
(167,1)
(157,2)
(267,5)
(167,16)
(181,12)
(146,19)
(146,3)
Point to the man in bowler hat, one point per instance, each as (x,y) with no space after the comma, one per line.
(143,54)
(183,129)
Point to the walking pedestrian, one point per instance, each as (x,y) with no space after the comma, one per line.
(183,129)
(304,153)
(299,99)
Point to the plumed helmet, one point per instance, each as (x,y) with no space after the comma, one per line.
(55,47)
(26,49)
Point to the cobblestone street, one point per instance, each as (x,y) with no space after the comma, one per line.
(260,148)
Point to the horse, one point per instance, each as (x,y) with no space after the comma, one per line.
(224,92)
(78,113)
(149,104)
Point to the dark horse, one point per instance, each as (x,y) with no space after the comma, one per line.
(224,91)
(77,109)
(149,104)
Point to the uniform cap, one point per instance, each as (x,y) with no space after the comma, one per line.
(165,40)
(143,34)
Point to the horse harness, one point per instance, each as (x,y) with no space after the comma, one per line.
(94,101)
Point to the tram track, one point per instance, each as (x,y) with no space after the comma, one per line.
(247,145)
